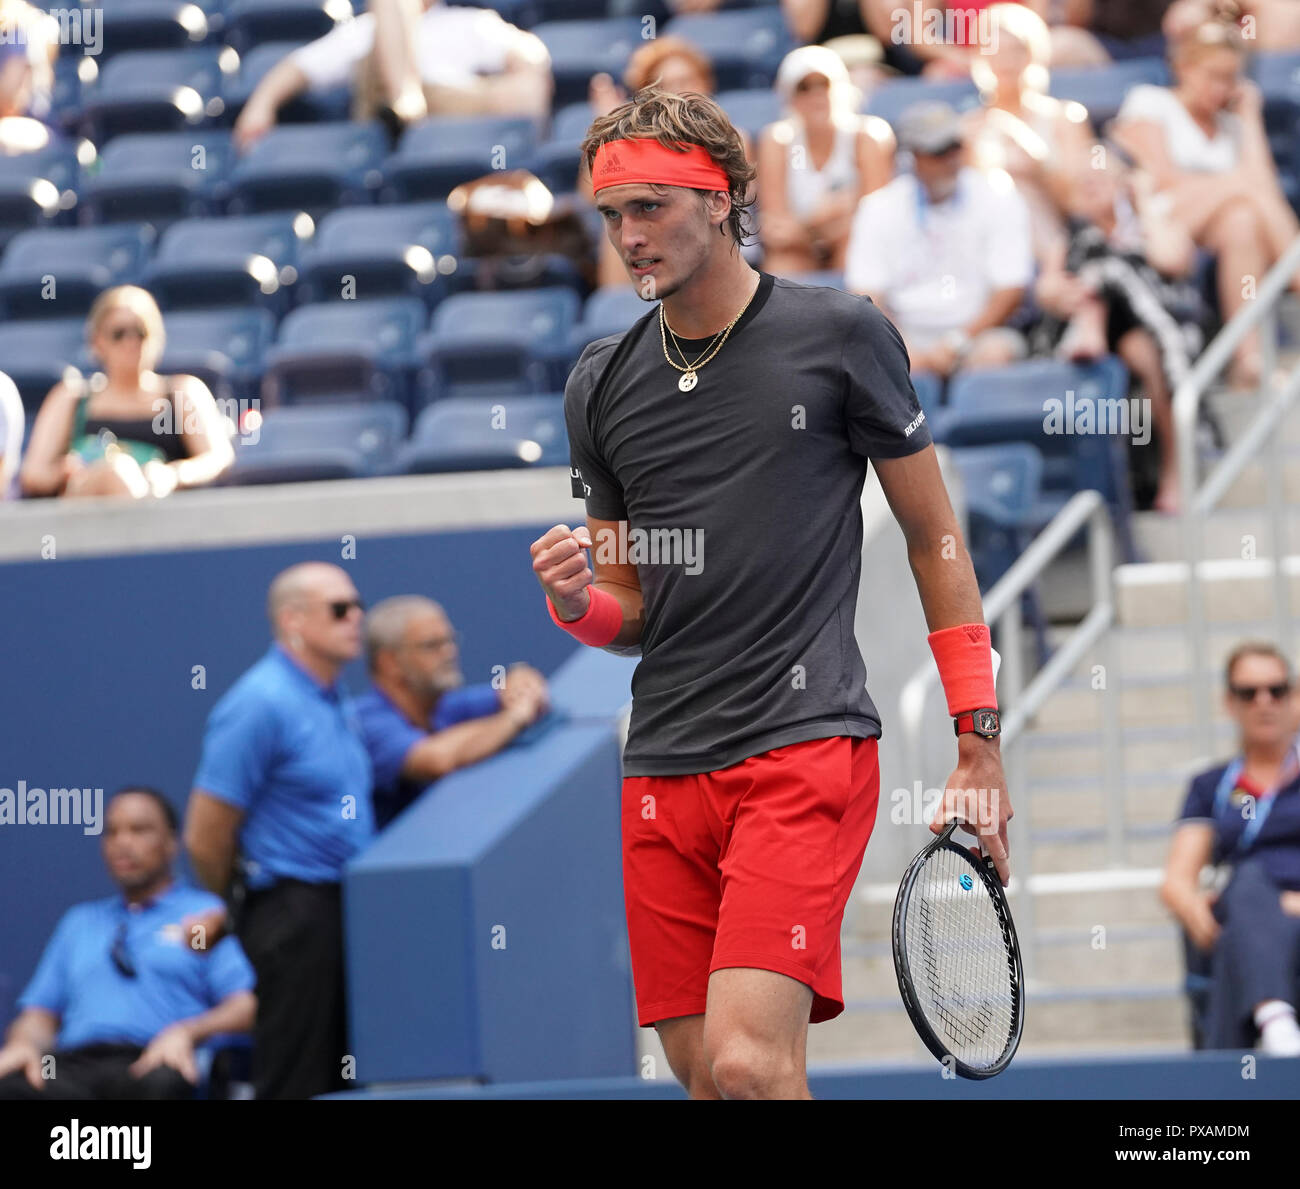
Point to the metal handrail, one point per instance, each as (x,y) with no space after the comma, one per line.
(1197,504)
(1002,605)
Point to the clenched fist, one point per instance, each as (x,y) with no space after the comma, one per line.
(561,567)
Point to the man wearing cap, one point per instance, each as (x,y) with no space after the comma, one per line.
(945,251)
(739,414)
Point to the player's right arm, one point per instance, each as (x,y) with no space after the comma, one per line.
(561,565)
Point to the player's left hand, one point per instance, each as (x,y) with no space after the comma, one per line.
(976,794)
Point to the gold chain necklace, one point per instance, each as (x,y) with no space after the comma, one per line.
(689,378)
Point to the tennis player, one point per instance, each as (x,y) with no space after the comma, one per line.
(721,445)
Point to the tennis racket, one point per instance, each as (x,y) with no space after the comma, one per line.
(957,959)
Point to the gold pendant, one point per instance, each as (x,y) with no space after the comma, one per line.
(687,382)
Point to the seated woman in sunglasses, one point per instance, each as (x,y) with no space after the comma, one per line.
(125,430)
(1245,814)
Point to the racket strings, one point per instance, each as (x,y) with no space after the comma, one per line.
(956,949)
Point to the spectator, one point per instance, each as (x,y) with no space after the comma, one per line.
(284,780)
(1040,141)
(418,718)
(1274,25)
(816,164)
(1245,814)
(1123,284)
(1203,142)
(444,60)
(671,63)
(1112,29)
(126,988)
(12,426)
(944,251)
(29,45)
(19,132)
(127,430)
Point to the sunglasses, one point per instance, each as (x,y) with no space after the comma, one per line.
(436,645)
(120,955)
(1248,693)
(340,608)
(118,333)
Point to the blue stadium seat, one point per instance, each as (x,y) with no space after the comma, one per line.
(36,354)
(745,45)
(320,442)
(929,392)
(890,100)
(610,310)
(312,167)
(225,348)
(1101,89)
(242,260)
(488,433)
(345,351)
(158,177)
(572,121)
(57,272)
(249,22)
(151,25)
(751,109)
(402,249)
(155,91)
(311,106)
(580,49)
(1011,404)
(557,163)
(829,278)
(498,342)
(436,155)
(1278,78)
(65,96)
(27,203)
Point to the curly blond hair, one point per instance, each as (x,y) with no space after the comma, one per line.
(655,114)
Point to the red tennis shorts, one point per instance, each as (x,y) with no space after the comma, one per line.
(751,865)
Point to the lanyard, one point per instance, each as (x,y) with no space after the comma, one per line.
(1263,803)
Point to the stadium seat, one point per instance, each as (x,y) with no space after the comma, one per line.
(998,405)
(65,95)
(829,278)
(580,49)
(556,163)
(498,342)
(57,272)
(158,177)
(572,121)
(36,354)
(436,155)
(745,45)
(309,107)
(751,109)
(130,25)
(345,351)
(36,189)
(225,348)
(929,392)
(312,167)
(890,100)
(241,260)
(610,310)
(320,442)
(250,22)
(399,250)
(488,433)
(1101,89)
(155,91)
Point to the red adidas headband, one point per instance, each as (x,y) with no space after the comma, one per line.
(622,162)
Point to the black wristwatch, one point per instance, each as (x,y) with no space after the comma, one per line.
(986,722)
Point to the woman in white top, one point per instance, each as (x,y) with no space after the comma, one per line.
(1203,143)
(1040,141)
(816,164)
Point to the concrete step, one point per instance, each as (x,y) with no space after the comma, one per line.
(1077,755)
(1226,534)
(1142,656)
(1152,703)
(1234,591)
(1146,802)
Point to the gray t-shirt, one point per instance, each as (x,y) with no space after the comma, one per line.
(743,507)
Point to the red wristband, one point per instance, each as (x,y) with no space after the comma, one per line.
(600,623)
(964,655)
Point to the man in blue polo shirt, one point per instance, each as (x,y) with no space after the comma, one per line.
(126,986)
(419,720)
(283,785)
